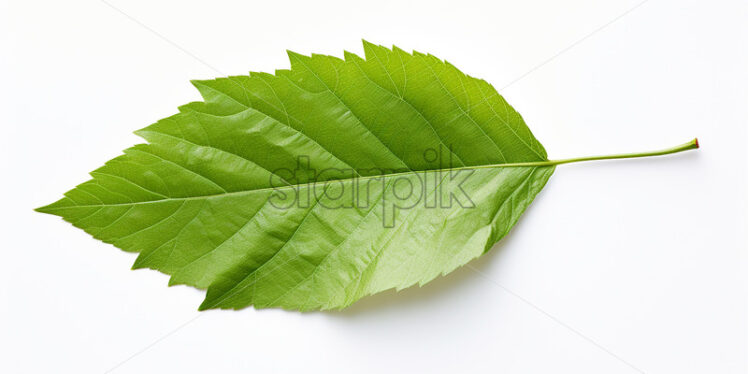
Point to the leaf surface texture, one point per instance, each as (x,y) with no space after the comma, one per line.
(200,200)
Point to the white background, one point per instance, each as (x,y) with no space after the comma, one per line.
(617,267)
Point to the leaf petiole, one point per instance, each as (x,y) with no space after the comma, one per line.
(693,144)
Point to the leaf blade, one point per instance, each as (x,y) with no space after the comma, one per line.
(197,201)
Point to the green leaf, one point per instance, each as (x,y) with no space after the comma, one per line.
(313,187)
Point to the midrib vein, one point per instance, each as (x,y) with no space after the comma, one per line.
(304,185)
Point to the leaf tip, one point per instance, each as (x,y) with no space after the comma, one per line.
(55,207)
